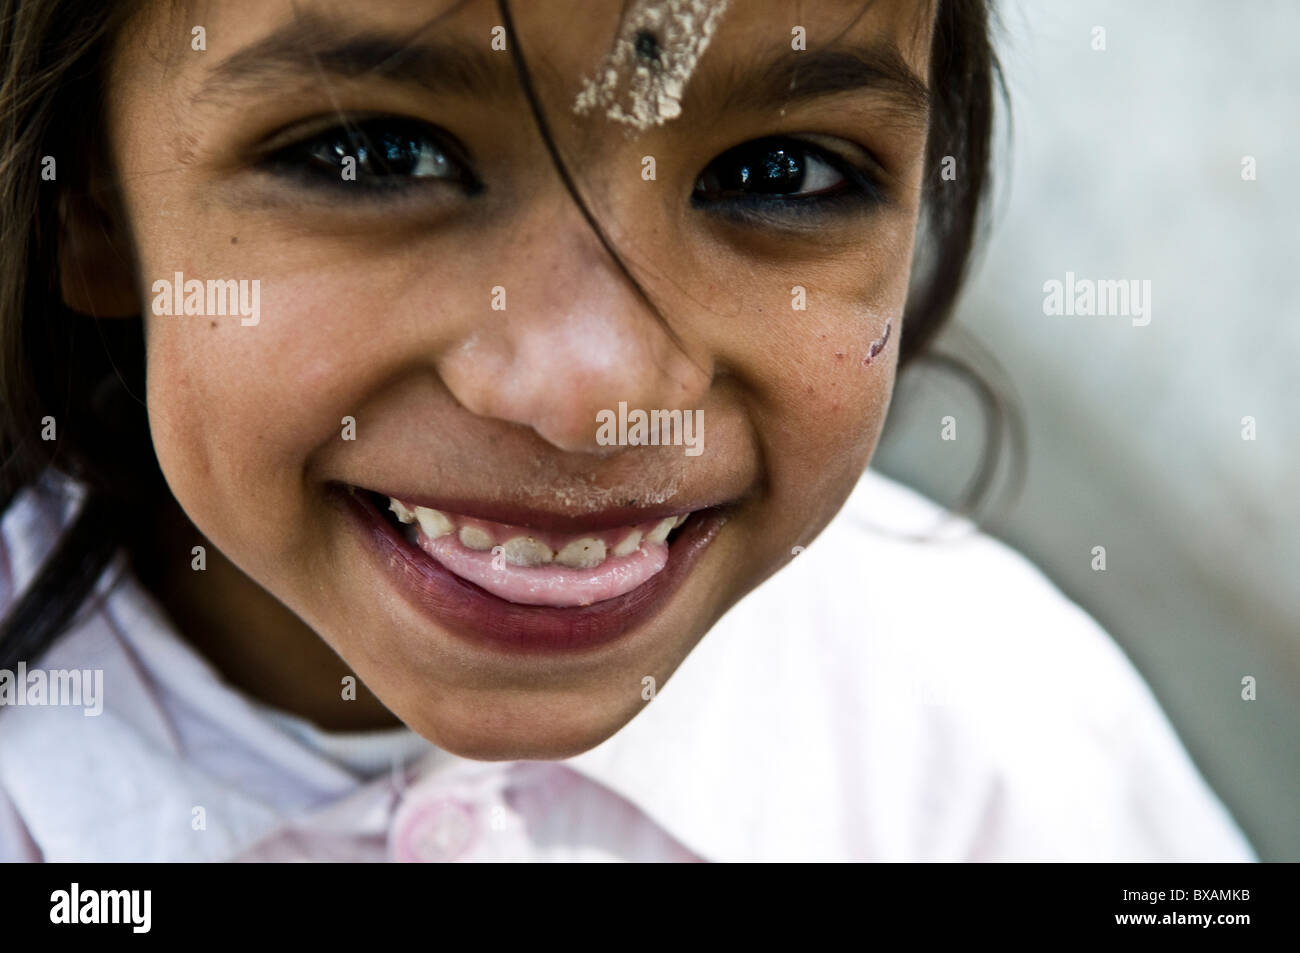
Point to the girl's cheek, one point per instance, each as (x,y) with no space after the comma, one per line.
(833,350)
(830,375)
(239,401)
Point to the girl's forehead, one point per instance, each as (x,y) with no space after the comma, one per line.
(636,62)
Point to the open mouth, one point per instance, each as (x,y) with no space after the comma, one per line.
(533,583)
(531,566)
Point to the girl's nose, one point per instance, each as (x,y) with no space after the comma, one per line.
(572,337)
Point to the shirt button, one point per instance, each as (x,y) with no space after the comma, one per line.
(435,831)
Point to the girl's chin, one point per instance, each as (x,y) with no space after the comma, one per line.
(519,735)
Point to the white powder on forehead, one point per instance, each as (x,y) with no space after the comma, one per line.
(641,88)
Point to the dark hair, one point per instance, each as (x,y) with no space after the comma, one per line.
(89,374)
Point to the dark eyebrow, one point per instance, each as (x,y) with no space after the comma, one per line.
(313,45)
(791,77)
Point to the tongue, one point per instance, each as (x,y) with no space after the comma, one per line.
(551,585)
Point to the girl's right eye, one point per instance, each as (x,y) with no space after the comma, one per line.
(385,153)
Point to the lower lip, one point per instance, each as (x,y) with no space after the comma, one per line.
(478,616)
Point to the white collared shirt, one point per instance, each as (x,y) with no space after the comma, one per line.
(877,699)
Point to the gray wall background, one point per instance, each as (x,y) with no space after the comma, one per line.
(1127,163)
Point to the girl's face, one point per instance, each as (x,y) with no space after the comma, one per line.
(444,327)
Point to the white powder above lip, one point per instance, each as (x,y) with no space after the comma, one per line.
(644,87)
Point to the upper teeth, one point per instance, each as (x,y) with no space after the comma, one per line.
(660,532)
(527,551)
(432,522)
(475,538)
(630,544)
(586,552)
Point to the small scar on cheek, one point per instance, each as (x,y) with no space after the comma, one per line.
(877,346)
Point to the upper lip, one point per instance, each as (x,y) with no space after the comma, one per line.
(518,514)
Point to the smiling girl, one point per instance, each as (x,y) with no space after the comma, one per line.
(365,576)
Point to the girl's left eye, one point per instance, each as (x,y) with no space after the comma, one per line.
(767,171)
(383,153)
